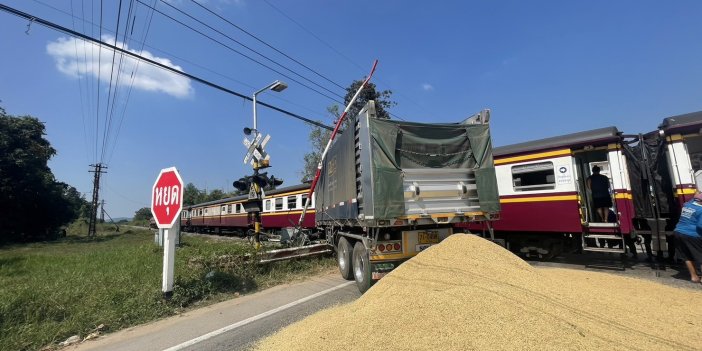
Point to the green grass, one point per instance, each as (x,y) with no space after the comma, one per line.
(52,290)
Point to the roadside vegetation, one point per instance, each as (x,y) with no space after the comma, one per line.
(53,290)
(35,206)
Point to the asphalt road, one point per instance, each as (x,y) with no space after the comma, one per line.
(244,337)
(232,325)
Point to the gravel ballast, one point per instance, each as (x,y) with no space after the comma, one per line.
(470,294)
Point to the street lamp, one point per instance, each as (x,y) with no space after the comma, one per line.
(276,86)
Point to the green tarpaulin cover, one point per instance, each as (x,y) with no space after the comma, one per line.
(397,145)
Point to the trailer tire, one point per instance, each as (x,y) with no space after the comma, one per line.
(343,258)
(361,267)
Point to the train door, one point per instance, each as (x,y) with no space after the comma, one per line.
(585,160)
(601,231)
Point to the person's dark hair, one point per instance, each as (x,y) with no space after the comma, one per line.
(596,169)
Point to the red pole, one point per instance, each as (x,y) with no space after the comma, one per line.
(331,139)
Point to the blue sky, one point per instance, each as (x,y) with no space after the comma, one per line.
(544,68)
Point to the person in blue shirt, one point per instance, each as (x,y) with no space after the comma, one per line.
(688,236)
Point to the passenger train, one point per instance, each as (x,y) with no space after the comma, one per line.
(281,209)
(546,207)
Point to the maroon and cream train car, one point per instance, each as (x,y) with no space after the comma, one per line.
(547,207)
(682,137)
(545,203)
(281,209)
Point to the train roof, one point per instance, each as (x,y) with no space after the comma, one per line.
(601,135)
(244,197)
(682,123)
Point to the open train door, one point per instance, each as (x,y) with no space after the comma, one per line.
(603,233)
(601,148)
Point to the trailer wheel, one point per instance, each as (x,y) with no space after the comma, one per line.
(343,258)
(361,267)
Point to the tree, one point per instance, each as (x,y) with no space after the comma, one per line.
(382,100)
(216,195)
(142,214)
(192,195)
(319,137)
(33,203)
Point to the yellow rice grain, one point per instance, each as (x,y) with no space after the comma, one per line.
(470,294)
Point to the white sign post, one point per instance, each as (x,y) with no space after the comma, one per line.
(166,204)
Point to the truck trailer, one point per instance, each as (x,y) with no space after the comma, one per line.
(390,189)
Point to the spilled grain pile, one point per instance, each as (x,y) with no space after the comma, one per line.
(469,294)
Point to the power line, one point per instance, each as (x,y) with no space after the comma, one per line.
(117,82)
(68,31)
(133,76)
(241,53)
(246,46)
(97,110)
(266,44)
(143,45)
(314,35)
(361,69)
(80,92)
(109,92)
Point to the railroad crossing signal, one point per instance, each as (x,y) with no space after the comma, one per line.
(167,197)
(255,149)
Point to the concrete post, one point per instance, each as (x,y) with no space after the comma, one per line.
(168,262)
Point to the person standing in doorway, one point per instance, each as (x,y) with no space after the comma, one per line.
(599,186)
(688,236)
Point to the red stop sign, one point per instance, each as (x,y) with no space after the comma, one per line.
(167,197)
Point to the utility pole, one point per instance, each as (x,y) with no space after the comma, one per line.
(98,169)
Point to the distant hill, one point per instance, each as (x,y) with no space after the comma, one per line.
(117,219)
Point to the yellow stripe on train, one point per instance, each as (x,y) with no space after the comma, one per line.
(539,199)
(563,152)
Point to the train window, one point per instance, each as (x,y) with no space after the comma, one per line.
(278,203)
(304,199)
(229,208)
(292,202)
(267,206)
(535,176)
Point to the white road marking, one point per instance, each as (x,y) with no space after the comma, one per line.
(255,318)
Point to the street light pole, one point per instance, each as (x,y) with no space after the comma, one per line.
(276,86)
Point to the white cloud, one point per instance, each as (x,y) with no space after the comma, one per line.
(427,87)
(78,58)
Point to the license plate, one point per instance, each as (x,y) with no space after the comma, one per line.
(378,275)
(430,237)
(420,248)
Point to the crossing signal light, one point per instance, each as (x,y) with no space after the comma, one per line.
(274,182)
(261,179)
(264,181)
(242,184)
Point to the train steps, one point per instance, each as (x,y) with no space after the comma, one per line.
(590,243)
